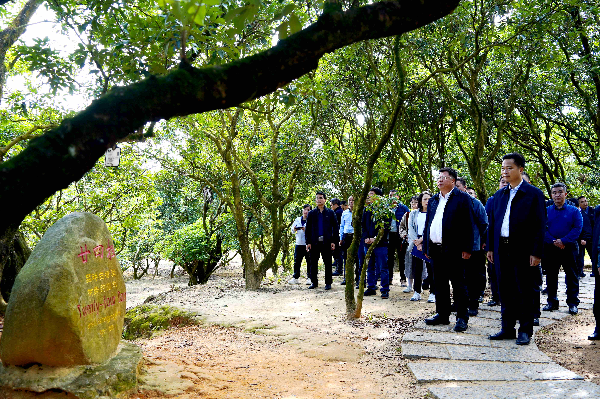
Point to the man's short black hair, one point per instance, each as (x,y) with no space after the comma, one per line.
(343,203)
(414,197)
(462,181)
(559,185)
(580,197)
(321,193)
(306,206)
(470,188)
(393,190)
(450,172)
(420,199)
(335,201)
(516,157)
(377,190)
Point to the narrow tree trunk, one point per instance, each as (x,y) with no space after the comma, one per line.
(363,274)
(14,253)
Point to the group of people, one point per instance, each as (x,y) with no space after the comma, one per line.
(446,238)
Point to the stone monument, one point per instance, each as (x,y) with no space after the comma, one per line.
(66,310)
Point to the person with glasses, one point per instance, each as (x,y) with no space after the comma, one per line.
(448,242)
(515,242)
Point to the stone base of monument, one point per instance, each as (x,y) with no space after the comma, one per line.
(110,379)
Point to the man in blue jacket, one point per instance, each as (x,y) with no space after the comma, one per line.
(563,229)
(517,224)
(395,244)
(322,235)
(448,241)
(585,238)
(475,271)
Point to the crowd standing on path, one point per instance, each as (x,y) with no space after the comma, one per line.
(445,239)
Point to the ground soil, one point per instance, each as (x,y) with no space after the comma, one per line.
(566,343)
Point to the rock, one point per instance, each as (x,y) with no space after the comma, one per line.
(108,380)
(68,302)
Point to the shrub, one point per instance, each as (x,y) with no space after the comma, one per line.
(145,320)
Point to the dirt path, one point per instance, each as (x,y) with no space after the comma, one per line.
(279,342)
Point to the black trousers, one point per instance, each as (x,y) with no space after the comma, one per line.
(554,258)
(449,267)
(475,277)
(517,281)
(597,299)
(346,242)
(396,248)
(417,266)
(581,256)
(323,250)
(301,253)
(493,278)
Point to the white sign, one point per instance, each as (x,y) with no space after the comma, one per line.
(112,156)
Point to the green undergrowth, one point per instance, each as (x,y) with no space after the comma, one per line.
(146,320)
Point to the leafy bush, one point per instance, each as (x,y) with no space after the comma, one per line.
(145,320)
(192,249)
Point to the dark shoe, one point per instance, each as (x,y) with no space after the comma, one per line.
(343,282)
(313,286)
(493,303)
(545,291)
(503,334)
(385,296)
(480,300)
(461,325)
(402,283)
(356,285)
(473,312)
(582,275)
(573,309)
(369,292)
(327,287)
(550,308)
(523,339)
(536,322)
(336,273)
(595,335)
(437,320)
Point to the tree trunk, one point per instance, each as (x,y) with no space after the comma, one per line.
(363,274)
(14,253)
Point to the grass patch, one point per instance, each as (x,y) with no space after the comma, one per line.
(145,320)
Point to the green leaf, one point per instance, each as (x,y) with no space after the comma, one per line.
(282,30)
(199,19)
(295,25)
(212,2)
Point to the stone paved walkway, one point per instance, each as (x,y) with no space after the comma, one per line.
(469,365)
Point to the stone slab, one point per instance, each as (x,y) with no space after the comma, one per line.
(547,372)
(520,354)
(446,338)
(493,371)
(520,390)
(559,314)
(473,328)
(416,351)
(463,371)
(490,314)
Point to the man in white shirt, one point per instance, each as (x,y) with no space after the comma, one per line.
(298,228)
(448,241)
(346,235)
(515,242)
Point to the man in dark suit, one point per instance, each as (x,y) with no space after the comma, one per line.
(585,239)
(336,206)
(517,224)
(448,241)
(322,234)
